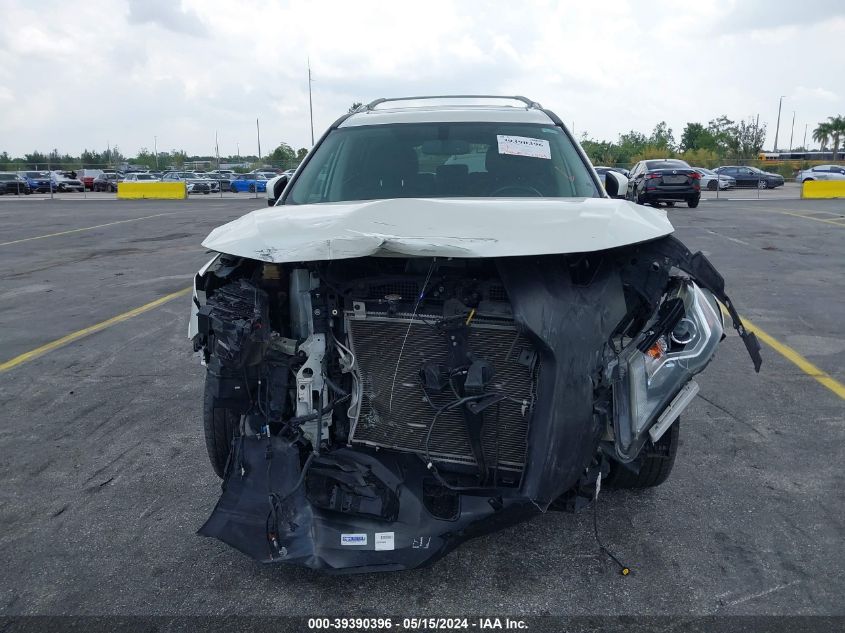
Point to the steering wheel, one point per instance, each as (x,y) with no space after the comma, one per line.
(528,188)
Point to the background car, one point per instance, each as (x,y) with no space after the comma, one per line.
(666,180)
(193,182)
(751,176)
(63,183)
(107,181)
(822,172)
(711,180)
(11,183)
(140,177)
(38,181)
(87,177)
(248,182)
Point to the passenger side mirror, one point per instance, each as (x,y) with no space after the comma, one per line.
(615,184)
(278,188)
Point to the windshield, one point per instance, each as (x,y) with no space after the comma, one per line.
(35,174)
(7,177)
(144,177)
(444,160)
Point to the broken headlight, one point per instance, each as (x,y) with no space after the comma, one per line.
(653,369)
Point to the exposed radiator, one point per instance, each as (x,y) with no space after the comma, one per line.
(401,422)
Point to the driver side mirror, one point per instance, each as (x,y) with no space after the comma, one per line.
(615,184)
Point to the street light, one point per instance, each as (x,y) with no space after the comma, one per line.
(777,129)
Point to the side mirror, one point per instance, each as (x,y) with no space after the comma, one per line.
(275,188)
(615,184)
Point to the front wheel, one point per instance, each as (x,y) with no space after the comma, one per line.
(763,184)
(713,185)
(692,203)
(252,188)
(653,465)
(221,425)
(233,189)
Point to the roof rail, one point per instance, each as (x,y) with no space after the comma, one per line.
(372,104)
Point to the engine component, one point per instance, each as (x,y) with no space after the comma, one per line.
(311,390)
(237,318)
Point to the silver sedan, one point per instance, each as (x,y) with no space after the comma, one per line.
(822,172)
(709,178)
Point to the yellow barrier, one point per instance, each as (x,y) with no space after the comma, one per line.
(823,189)
(152,190)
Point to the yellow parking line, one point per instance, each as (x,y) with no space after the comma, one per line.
(794,357)
(808,217)
(87,228)
(75,336)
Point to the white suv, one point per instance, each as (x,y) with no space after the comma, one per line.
(444,326)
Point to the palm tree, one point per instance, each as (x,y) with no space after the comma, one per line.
(837,131)
(822,134)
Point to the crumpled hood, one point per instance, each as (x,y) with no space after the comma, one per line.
(427,227)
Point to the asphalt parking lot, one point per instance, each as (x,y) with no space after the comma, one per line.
(106,477)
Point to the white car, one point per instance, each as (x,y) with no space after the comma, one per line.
(404,353)
(140,177)
(710,178)
(822,172)
(64,183)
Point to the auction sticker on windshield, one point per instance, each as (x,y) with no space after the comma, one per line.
(524,146)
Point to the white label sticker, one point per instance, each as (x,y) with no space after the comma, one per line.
(384,541)
(353,539)
(524,146)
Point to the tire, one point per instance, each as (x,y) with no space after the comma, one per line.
(652,467)
(205,193)
(713,185)
(692,203)
(762,184)
(220,425)
(252,188)
(233,189)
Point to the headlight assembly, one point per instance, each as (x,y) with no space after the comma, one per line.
(647,379)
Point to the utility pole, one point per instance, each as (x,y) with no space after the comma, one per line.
(258,136)
(310,103)
(792,130)
(155,150)
(804,145)
(777,129)
(217,150)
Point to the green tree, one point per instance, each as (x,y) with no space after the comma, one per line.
(821,135)
(283,155)
(749,138)
(724,134)
(696,137)
(837,131)
(662,137)
(300,154)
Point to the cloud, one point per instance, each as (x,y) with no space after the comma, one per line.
(168,15)
(124,71)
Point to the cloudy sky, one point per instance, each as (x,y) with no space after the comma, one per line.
(121,72)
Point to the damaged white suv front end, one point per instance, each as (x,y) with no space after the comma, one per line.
(444,326)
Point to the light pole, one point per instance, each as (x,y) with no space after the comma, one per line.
(777,129)
(804,145)
(155,150)
(792,130)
